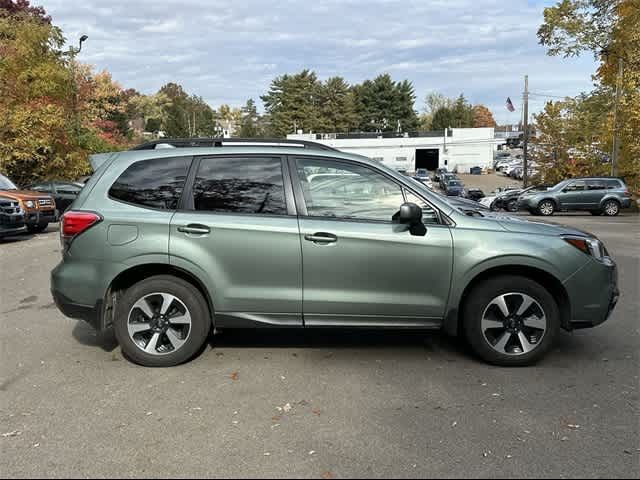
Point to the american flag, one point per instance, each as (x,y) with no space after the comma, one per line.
(509,105)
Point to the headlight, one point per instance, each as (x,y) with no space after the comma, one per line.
(590,246)
(29,204)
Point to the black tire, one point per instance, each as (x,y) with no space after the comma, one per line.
(512,206)
(185,293)
(546,208)
(595,213)
(37,228)
(478,301)
(611,208)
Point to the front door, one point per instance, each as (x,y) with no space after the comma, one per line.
(572,196)
(238,232)
(360,268)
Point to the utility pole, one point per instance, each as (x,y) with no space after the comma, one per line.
(525,160)
(616,137)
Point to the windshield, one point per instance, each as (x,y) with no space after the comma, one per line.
(6,184)
(454,183)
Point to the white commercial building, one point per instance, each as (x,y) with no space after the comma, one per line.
(456,148)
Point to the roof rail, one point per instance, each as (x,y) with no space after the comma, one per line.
(230,142)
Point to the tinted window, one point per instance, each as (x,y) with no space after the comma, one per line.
(41,187)
(575,186)
(596,185)
(68,189)
(613,183)
(341,190)
(156,183)
(240,185)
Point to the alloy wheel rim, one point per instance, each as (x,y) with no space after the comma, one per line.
(546,208)
(611,208)
(159,323)
(514,324)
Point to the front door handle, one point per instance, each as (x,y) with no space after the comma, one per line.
(321,238)
(195,229)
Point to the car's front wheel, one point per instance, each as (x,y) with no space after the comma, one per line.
(546,208)
(512,206)
(511,320)
(162,321)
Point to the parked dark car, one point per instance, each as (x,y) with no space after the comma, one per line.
(475,194)
(64,193)
(11,217)
(597,195)
(508,200)
(454,188)
(445,178)
(475,171)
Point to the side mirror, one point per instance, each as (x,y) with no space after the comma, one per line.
(411,214)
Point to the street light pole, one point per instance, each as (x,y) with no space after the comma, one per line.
(72,54)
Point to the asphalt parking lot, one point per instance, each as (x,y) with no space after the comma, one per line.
(326,404)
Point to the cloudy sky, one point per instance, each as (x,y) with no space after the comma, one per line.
(229,51)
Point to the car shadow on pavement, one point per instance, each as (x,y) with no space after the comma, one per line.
(337,338)
(20,237)
(86,335)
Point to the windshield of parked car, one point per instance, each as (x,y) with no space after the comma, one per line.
(454,183)
(6,184)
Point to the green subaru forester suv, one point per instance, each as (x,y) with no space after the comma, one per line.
(168,241)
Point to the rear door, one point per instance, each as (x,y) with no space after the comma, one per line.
(361,268)
(237,227)
(596,189)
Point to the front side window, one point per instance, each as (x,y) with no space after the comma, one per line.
(575,186)
(68,189)
(155,183)
(42,187)
(240,185)
(341,190)
(429,214)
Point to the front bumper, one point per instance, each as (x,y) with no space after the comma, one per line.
(593,293)
(35,217)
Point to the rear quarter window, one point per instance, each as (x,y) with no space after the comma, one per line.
(155,183)
(611,184)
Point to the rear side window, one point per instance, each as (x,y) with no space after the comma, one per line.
(596,185)
(613,184)
(155,183)
(240,185)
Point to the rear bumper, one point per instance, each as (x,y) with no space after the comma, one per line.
(89,313)
(593,293)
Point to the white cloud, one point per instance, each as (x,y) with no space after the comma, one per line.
(227,52)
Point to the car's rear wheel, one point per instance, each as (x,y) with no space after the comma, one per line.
(546,208)
(162,321)
(511,320)
(512,206)
(611,208)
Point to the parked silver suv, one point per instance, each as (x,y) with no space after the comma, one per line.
(597,195)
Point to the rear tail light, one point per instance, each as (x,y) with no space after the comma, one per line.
(74,223)
(627,193)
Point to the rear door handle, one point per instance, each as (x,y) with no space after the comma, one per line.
(321,238)
(195,229)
